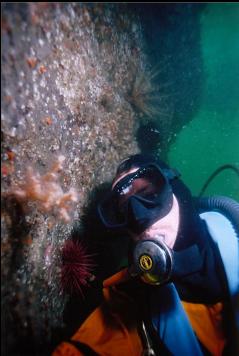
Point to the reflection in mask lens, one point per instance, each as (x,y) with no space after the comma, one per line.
(146,183)
(147,188)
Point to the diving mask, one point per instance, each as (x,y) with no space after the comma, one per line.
(138,199)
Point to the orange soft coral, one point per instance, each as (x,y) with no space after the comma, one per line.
(46,192)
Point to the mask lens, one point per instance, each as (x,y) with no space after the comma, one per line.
(111,213)
(147,183)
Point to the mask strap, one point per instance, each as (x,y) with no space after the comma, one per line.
(171,173)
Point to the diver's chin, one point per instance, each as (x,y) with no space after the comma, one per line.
(147,236)
(158,237)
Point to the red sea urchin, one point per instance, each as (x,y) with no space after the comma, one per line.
(77,266)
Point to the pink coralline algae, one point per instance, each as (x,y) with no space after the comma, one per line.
(46,192)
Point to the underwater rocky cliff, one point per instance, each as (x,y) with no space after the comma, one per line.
(78,85)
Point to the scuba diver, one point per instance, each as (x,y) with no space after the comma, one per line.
(178,293)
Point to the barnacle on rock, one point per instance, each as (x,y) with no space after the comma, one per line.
(46,192)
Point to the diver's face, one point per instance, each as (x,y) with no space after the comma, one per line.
(164,229)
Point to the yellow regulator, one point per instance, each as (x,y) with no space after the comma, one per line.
(153,261)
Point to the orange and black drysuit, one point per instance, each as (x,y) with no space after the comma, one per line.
(115,328)
(190,315)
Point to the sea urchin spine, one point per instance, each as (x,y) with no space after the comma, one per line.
(77,266)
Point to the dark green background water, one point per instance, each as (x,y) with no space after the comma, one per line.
(211,139)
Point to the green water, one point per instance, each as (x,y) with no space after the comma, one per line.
(211,139)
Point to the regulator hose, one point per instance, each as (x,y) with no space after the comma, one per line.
(229,207)
(217,171)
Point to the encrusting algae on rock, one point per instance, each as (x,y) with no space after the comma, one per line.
(66,72)
(45,192)
(77,83)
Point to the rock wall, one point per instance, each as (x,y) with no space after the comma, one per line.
(67,73)
(81,90)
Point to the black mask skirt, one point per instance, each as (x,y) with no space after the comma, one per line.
(137,200)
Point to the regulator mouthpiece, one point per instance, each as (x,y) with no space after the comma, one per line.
(153,261)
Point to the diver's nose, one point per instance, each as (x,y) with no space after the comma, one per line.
(137,215)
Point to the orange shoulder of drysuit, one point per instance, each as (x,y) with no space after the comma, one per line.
(67,349)
(111,329)
(206,321)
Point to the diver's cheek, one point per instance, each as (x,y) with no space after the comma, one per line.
(170,241)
